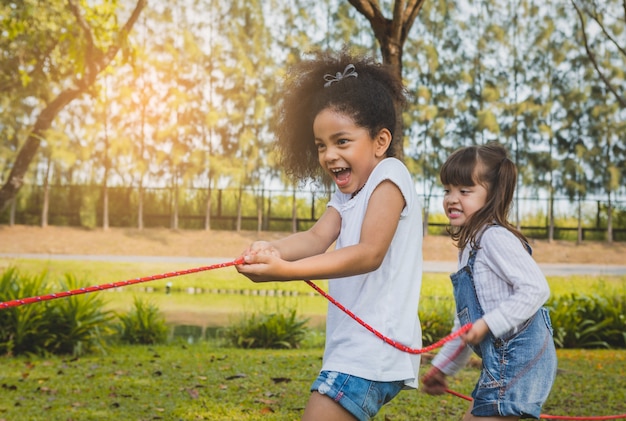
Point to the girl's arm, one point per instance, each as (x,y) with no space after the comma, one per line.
(451,358)
(379,226)
(303,244)
(513,265)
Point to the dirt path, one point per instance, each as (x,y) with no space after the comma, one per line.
(229,244)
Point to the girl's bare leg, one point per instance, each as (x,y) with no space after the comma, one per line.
(321,407)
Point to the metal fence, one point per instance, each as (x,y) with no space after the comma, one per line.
(277,210)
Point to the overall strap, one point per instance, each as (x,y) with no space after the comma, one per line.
(472,257)
(529,249)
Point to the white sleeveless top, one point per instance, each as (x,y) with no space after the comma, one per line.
(387,298)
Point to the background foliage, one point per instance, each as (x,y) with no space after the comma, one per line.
(188,104)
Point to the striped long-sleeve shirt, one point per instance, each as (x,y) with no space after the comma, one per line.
(509,285)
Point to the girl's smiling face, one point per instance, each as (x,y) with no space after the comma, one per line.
(346,151)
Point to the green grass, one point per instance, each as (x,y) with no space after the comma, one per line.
(203,381)
(206,382)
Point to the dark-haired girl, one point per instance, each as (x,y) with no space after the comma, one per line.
(499,289)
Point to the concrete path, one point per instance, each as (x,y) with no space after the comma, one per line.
(549,269)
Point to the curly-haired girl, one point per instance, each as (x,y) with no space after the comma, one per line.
(338,119)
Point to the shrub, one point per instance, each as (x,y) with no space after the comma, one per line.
(581,321)
(274,330)
(144,324)
(77,324)
(71,325)
(437,318)
(23,328)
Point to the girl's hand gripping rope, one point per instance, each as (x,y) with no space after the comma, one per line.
(434,382)
(260,259)
(477,333)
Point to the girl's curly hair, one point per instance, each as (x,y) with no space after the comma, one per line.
(374,100)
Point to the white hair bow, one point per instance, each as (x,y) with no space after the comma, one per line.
(349,71)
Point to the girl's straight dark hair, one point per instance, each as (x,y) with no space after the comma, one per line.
(489,166)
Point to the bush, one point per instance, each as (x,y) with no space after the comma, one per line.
(22,329)
(437,318)
(71,325)
(77,324)
(588,322)
(273,331)
(579,321)
(144,325)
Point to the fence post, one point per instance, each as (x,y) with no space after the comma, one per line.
(219,203)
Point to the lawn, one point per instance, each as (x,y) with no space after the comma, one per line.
(203,381)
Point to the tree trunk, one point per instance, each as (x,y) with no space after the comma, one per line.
(268,213)
(28,151)
(97,61)
(391,35)
(609,220)
(140,224)
(551,217)
(12,212)
(174,222)
(239,208)
(46,196)
(105,206)
(259,212)
(207,212)
(579,237)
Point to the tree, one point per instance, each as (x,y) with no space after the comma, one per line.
(608,29)
(601,30)
(391,33)
(95,43)
(432,77)
(250,83)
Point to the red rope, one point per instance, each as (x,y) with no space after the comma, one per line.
(463,329)
(553,417)
(30,300)
(383,337)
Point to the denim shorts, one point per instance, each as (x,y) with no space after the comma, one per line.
(362,398)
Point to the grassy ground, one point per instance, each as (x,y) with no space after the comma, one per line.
(206,382)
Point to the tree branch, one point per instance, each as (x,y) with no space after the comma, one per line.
(595,17)
(592,57)
(410,14)
(90,48)
(368,8)
(28,151)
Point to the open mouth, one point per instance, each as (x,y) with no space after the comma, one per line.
(341,176)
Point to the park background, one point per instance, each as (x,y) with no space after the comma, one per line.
(151,114)
(127,127)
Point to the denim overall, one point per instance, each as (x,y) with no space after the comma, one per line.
(518,369)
